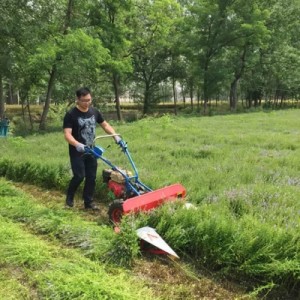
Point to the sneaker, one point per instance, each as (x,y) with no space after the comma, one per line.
(91,205)
(69,202)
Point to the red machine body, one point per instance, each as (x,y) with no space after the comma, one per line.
(128,203)
(131,194)
(153,199)
(117,188)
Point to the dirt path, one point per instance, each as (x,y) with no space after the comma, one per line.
(168,279)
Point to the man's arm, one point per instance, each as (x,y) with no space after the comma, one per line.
(69,137)
(109,130)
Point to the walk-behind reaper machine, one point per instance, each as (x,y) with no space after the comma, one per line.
(132,195)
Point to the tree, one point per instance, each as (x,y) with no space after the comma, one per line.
(111,21)
(13,21)
(53,70)
(152,45)
(273,71)
(281,59)
(212,27)
(250,23)
(67,50)
(18,36)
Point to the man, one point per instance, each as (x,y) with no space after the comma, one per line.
(79,131)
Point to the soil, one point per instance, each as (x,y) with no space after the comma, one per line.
(168,278)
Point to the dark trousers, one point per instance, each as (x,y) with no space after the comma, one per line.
(83,167)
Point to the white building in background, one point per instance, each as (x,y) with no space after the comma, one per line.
(127,98)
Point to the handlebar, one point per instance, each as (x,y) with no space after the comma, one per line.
(106,136)
(121,143)
(98,151)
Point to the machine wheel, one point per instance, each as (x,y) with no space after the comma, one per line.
(115,211)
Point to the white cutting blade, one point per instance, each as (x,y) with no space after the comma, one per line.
(149,235)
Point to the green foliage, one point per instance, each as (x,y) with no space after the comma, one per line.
(80,53)
(11,288)
(151,58)
(42,175)
(243,248)
(241,173)
(92,239)
(206,45)
(125,247)
(59,273)
(30,253)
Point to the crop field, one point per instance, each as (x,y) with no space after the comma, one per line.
(242,176)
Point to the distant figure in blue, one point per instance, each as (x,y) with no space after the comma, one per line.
(4,124)
(79,131)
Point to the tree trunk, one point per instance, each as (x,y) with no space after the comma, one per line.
(205,90)
(238,74)
(51,84)
(174,95)
(18,97)
(26,106)
(2,104)
(29,114)
(146,99)
(192,94)
(183,94)
(116,85)
(198,100)
(10,99)
(233,94)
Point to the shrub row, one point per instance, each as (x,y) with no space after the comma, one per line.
(48,176)
(244,248)
(215,236)
(50,272)
(53,176)
(93,240)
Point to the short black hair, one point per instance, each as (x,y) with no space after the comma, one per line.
(83,91)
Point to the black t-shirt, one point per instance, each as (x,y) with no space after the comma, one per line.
(83,126)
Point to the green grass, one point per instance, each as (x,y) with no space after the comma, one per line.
(59,273)
(207,155)
(50,269)
(241,172)
(12,285)
(69,228)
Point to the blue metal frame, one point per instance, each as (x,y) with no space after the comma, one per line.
(130,181)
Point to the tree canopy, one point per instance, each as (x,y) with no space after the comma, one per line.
(229,49)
